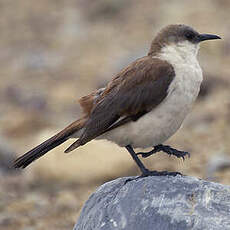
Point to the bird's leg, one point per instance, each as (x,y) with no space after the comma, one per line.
(145,172)
(167,149)
(147,154)
(141,166)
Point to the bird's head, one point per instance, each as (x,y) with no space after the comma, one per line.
(182,37)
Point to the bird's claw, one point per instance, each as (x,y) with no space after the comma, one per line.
(161,173)
(167,149)
(175,152)
(153,173)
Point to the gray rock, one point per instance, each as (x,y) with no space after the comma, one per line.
(161,203)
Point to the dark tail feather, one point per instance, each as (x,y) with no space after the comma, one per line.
(47,145)
(37,152)
(75,145)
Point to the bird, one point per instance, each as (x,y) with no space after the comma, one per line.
(143,105)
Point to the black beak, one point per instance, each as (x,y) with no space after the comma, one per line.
(204,37)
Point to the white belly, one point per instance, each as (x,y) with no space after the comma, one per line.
(156,126)
(163,121)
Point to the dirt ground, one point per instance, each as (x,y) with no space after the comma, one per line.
(54,52)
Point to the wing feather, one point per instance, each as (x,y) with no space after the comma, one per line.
(135,91)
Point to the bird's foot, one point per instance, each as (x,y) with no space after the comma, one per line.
(147,173)
(161,173)
(167,149)
(171,151)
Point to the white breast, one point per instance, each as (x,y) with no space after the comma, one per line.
(162,122)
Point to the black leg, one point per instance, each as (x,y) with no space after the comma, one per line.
(137,160)
(144,170)
(147,154)
(167,149)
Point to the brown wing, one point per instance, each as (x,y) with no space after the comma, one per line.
(133,92)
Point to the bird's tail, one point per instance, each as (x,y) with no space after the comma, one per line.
(37,152)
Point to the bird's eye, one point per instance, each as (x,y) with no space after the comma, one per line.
(189,35)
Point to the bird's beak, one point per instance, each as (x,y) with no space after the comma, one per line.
(204,37)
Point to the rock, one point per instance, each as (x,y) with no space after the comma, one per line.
(161,203)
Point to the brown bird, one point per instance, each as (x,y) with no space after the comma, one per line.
(144,104)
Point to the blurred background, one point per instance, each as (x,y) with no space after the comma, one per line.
(52,53)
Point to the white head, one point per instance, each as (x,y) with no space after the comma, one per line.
(180,39)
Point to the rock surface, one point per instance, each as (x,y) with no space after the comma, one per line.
(161,203)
